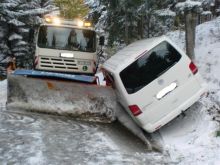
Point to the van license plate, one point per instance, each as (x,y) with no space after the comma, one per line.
(166,90)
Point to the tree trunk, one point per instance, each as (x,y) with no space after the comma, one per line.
(148,26)
(126,29)
(217,5)
(141,27)
(190,26)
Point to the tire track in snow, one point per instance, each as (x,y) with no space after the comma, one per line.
(191,139)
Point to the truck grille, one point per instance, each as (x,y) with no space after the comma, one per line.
(61,64)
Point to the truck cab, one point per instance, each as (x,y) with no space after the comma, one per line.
(66,46)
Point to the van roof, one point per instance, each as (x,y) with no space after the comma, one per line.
(131,52)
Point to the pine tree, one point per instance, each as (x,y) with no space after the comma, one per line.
(72,8)
(3,47)
(21,17)
(122,20)
(129,20)
(3,38)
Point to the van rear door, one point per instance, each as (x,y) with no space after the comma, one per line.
(159,81)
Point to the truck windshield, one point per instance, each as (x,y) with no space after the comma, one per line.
(148,67)
(65,38)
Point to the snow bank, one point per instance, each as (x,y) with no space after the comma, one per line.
(188,4)
(192,139)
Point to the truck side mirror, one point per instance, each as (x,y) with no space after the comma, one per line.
(101,40)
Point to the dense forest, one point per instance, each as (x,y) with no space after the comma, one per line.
(121,21)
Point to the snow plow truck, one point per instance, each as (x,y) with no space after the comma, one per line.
(66,51)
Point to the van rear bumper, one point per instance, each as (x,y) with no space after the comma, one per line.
(155,126)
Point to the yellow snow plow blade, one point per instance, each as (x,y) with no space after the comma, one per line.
(84,101)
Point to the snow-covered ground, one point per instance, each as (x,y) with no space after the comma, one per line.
(189,139)
(27,138)
(192,139)
(43,139)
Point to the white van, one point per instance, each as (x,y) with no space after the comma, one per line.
(154,80)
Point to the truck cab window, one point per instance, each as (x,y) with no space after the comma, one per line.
(65,38)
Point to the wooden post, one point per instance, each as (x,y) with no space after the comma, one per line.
(190,26)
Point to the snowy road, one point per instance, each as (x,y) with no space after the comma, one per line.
(44,139)
(27,138)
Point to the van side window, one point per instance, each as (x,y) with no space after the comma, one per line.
(148,67)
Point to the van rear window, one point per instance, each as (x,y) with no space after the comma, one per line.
(148,67)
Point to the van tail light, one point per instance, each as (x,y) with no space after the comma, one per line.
(193,68)
(135,110)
